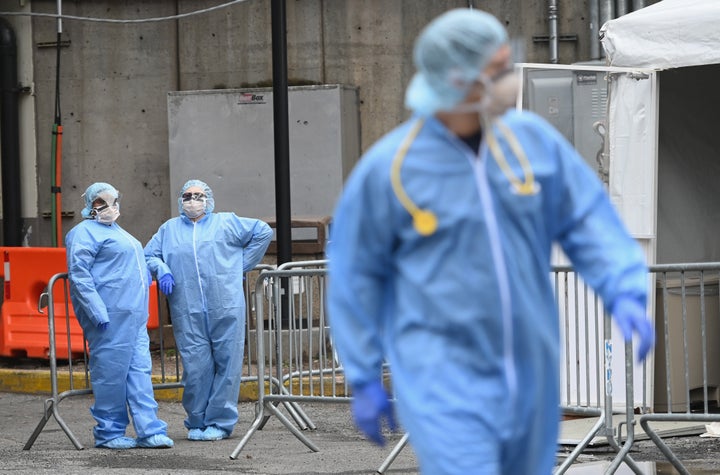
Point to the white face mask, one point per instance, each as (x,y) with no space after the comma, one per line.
(194,208)
(108,215)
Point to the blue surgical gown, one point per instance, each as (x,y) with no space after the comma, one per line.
(466,316)
(109,283)
(207,259)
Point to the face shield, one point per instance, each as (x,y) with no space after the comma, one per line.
(105,199)
(498,94)
(106,207)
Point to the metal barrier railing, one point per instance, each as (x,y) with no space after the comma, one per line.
(302,366)
(686,364)
(82,387)
(586,365)
(289,350)
(298,355)
(687,354)
(302,360)
(169,377)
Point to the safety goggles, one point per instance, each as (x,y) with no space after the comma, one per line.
(193,196)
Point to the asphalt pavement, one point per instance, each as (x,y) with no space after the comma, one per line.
(269,451)
(272,450)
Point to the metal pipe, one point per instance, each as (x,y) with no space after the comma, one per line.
(10,137)
(553,30)
(281,130)
(607,11)
(594,29)
(621,8)
(281,142)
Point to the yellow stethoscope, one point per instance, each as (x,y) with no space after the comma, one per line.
(424,220)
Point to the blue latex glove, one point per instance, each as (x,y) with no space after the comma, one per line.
(149,278)
(166,283)
(103,326)
(370,405)
(630,316)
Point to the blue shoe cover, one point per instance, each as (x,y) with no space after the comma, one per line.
(213,433)
(157,441)
(119,443)
(195,434)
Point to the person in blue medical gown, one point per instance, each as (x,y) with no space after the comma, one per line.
(109,285)
(439,262)
(199,259)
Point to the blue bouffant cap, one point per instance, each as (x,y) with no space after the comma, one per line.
(449,55)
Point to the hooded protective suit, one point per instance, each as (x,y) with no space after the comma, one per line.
(109,284)
(466,315)
(207,259)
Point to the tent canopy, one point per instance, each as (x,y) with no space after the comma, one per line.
(667,34)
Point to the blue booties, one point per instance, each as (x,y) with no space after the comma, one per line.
(119,443)
(157,441)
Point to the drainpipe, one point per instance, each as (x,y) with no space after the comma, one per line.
(10,137)
(621,8)
(553,30)
(606,11)
(594,30)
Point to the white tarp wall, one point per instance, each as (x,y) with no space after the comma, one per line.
(632,138)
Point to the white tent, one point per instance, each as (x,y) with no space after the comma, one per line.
(667,34)
(664,140)
(680,41)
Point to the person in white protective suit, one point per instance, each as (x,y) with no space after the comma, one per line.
(199,259)
(109,290)
(439,262)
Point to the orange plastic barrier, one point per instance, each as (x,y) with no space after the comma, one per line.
(24,331)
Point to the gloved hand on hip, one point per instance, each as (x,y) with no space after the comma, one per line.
(166,283)
(370,405)
(629,314)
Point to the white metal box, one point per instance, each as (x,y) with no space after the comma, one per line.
(226,138)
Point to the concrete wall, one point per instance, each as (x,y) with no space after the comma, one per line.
(115,78)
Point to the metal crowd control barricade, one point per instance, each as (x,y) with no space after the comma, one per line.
(587,368)
(587,364)
(60,311)
(60,304)
(686,364)
(687,352)
(301,365)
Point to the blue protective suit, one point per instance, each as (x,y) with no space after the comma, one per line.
(466,316)
(109,283)
(207,259)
